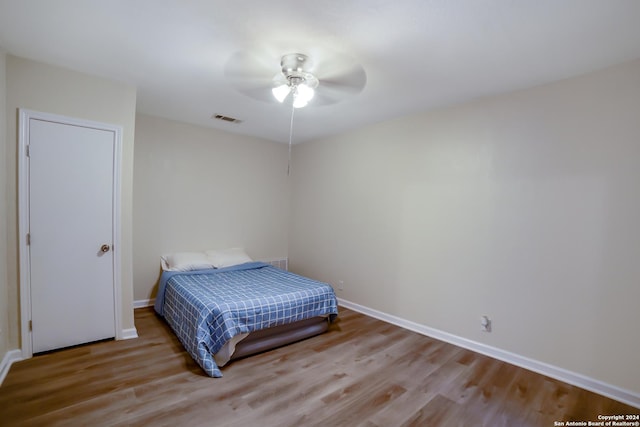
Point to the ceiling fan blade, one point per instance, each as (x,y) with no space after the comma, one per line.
(340,77)
(327,94)
(355,78)
(252,74)
(350,85)
(340,67)
(340,86)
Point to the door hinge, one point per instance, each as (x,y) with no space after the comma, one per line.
(28,239)
(28,150)
(30,325)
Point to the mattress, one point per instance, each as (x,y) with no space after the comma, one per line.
(212,311)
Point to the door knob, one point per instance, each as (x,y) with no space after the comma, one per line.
(105,248)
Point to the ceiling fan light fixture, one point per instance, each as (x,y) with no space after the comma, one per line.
(281,92)
(303,94)
(299,102)
(295,80)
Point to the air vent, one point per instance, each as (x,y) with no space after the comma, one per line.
(226,118)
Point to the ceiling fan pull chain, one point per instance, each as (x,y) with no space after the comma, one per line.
(290,139)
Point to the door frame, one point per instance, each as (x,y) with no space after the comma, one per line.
(24,116)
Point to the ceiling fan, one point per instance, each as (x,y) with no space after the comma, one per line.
(325,79)
(299,80)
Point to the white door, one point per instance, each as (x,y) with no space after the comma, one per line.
(71,188)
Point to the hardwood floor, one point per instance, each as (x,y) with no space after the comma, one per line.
(363,372)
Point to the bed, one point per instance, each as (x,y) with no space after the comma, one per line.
(221,314)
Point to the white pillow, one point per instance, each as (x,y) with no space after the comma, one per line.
(227,257)
(185,261)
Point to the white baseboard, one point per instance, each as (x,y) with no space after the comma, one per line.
(9,358)
(573,378)
(141,303)
(13,356)
(128,334)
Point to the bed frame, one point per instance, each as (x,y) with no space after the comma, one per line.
(268,339)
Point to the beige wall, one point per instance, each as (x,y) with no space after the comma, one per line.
(4,307)
(50,89)
(523,207)
(197,188)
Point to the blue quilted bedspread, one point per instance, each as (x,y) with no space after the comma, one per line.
(207,308)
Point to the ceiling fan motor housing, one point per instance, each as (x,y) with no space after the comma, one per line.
(294,66)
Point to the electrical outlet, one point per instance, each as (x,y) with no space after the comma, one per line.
(485,324)
(340,285)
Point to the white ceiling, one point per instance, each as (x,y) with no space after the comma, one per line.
(417,54)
